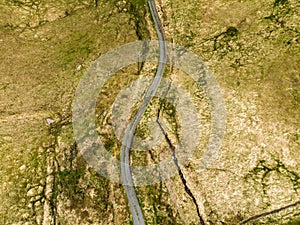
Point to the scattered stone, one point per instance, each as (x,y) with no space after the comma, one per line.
(50,121)
(31,193)
(22,168)
(35,191)
(79,67)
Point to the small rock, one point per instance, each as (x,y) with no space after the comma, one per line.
(79,67)
(50,121)
(22,168)
(34,191)
(31,193)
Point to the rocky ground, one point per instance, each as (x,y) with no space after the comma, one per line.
(252,47)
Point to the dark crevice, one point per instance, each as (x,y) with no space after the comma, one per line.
(183,180)
(52,201)
(54,131)
(141,59)
(159,201)
(271,212)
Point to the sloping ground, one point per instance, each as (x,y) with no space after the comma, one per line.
(45,49)
(253,49)
(251,46)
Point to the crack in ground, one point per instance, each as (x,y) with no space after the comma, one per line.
(270,213)
(183,180)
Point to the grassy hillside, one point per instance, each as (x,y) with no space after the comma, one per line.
(251,46)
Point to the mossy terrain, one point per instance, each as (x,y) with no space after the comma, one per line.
(251,46)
